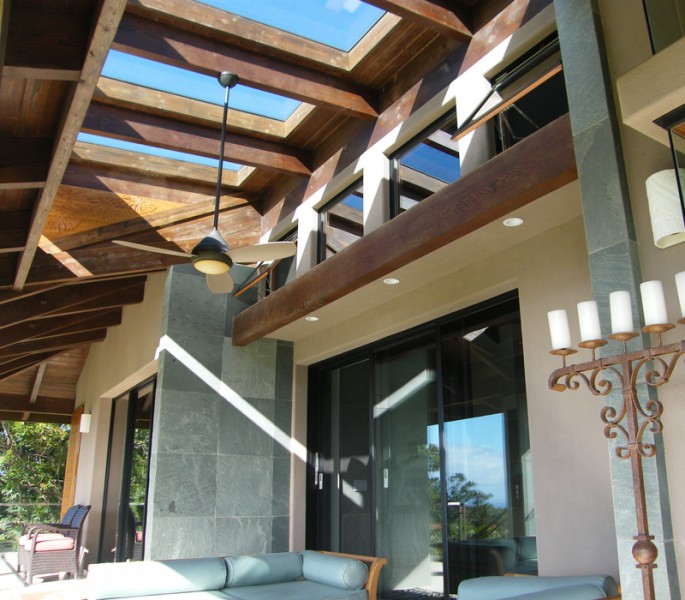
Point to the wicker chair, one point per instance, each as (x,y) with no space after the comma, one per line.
(53,548)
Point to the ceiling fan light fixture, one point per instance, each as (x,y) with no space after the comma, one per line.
(212,265)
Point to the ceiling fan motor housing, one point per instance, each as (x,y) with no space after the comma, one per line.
(209,256)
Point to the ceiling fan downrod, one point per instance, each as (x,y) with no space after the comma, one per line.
(227,81)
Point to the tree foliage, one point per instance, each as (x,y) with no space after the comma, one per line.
(32,464)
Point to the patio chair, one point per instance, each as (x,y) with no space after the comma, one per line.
(26,532)
(54,549)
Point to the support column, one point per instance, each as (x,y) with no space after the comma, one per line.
(614,264)
(220,459)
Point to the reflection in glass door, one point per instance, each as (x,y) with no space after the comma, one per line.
(122,533)
(407,478)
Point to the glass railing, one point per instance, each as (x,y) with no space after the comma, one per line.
(15,516)
(666,22)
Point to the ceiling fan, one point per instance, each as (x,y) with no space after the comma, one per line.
(212,255)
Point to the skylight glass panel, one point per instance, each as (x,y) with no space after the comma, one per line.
(174,80)
(154,151)
(336,23)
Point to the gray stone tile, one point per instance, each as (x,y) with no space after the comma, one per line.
(283,420)
(242,535)
(181,538)
(280,534)
(250,370)
(185,485)
(284,371)
(281,487)
(240,435)
(244,486)
(189,422)
(180,372)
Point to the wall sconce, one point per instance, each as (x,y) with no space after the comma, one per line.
(665,207)
(84,426)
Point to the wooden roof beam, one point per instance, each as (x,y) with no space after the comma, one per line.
(203,55)
(438,15)
(156,130)
(24,162)
(43,404)
(100,42)
(12,367)
(59,342)
(504,183)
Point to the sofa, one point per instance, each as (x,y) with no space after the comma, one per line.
(581,587)
(282,576)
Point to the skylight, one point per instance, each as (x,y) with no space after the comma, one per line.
(174,80)
(154,151)
(336,23)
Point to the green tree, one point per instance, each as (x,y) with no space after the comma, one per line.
(32,463)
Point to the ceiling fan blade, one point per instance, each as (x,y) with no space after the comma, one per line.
(151,248)
(220,284)
(262,252)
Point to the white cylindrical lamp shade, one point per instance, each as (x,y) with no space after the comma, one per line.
(84,426)
(558,329)
(653,303)
(588,318)
(665,207)
(680,286)
(621,312)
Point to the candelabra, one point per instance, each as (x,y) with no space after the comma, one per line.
(632,419)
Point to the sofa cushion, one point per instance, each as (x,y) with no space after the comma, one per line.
(265,568)
(585,591)
(338,571)
(506,588)
(294,590)
(46,544)
(149,577)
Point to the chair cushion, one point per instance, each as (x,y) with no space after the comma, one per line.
(266,568)
(25,539)
(61,543)
(338,571)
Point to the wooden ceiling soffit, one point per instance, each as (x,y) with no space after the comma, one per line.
(58,300)
(15,224)
(51,326)
(43,404)
(154,220)
(438,15)
(58,342)
(44,43)
(217,23)
(29,417)
(24,163)
(17,365)
(156,130)
(184,49)
(110,14)
(121,93)
(506,182)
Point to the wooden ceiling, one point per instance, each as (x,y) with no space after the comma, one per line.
(62,202)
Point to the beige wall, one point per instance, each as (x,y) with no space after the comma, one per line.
(126,357)
(573,506)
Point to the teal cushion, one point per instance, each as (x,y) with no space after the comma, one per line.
(505,588)
(585,591)
(149,577)
(265,568)
(346,573)
(294,590)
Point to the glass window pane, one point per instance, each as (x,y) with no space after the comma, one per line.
(426,165)
(491,524)
(342,222)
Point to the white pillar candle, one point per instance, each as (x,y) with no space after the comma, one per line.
(558,329)
(588,317)
(621,312)
(680,286)
(653,303)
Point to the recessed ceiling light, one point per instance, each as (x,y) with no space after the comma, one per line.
(512,222)
(311,318)
(391,281)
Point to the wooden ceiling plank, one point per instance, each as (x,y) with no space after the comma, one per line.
(163,132)
(42,328)
(7,369)
(121,93)
(204,55)
(109,17)
(43,403)
(437,15)
(24,162)
(506,182)
(196,16)
(53,301)
(383,28)
(59,342)
(35,417)
(123,297)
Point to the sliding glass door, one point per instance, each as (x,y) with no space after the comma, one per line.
(421,453)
